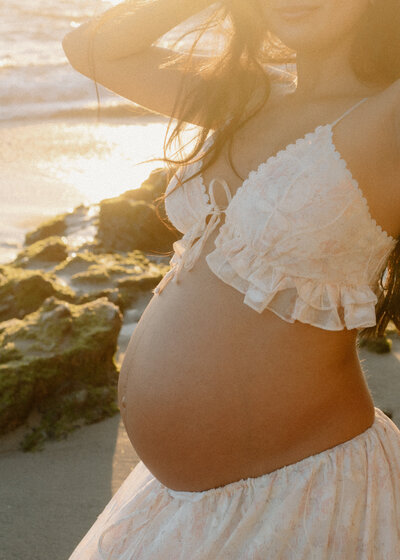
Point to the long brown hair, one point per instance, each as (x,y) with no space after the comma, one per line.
(233,77)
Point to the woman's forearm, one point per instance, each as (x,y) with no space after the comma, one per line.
(131,26)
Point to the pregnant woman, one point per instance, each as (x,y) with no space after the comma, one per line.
(241,389)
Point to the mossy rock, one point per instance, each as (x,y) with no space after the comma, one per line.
(49,228)
(379,345)
(76,263)
(92,276)
(24,291)
(113,263)
(66,413)
(119,277)
(50,250)
(126,224)
(131,287)
(143,282)
(56,350)
(112,294)
(130,221)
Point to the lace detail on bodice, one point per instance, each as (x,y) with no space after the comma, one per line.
(298,236)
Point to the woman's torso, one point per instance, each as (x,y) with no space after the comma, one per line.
(214,391)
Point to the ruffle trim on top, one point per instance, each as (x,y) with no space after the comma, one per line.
(325,305)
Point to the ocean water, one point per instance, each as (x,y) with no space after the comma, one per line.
(36,79)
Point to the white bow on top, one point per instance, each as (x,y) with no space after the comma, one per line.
(186,249)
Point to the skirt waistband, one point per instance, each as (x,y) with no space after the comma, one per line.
(380,420)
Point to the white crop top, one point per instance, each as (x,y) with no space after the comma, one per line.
(298,236)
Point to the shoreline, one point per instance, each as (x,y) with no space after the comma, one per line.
(48,163)
(121,114)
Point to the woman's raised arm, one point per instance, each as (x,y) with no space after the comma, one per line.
(115,49)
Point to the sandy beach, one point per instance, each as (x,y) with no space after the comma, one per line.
(50,499)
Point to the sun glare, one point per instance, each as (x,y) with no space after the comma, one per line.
(104,160)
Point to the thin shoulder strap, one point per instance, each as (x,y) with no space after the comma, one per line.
(348,111)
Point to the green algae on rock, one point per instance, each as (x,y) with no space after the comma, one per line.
(54,226)
(24,291)
(132,224)
(58,346)
(50,250)
(130,221)
(379,345)
(121,277)
(133,262)
(59,349)
(66,413)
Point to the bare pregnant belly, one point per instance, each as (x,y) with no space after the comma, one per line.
(215,392)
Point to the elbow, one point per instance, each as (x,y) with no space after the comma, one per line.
(71,51)
(76,48)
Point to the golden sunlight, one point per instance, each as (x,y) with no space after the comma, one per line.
(102,161)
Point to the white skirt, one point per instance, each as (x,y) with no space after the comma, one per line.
(342,503)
